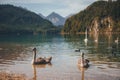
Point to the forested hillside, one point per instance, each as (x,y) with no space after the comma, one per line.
(100,16)
(17,19)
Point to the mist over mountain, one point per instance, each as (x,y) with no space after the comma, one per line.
(70,15)
(41,15)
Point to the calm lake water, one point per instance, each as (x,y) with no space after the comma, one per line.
(104,56)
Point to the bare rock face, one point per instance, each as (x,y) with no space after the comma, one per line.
(56,19)
(103,24)
(101,16)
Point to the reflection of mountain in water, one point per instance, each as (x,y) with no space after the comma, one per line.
(27,39)
(100,46)
(17,49)
(15,46)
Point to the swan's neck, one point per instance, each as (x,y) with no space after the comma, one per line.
(34,57)
(82,61)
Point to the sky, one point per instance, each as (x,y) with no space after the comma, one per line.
(45,7)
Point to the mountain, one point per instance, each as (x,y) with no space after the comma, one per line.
(56,19)
(69,16)
(42,16)
(102,16)
(19,20)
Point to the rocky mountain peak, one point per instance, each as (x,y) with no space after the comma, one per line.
(56,19)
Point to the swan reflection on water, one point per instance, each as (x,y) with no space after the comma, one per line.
(82,70)
(83,64)
(34,67)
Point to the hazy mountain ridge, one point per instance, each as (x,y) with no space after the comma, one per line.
(17,19)
(56,19)
(41,15)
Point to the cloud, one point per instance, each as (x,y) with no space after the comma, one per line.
(74,6)
(46,1)
(63,7)
(25,1)
(31,1)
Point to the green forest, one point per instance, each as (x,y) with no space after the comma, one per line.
(19,20)
(101,13)
(101,16)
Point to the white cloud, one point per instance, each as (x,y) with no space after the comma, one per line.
(74,6)
(25,1)
(46,1)
(63,7)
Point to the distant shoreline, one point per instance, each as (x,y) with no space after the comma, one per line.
(63,33)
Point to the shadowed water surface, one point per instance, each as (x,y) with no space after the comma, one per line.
(104,56)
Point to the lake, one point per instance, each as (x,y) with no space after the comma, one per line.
(102,51)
